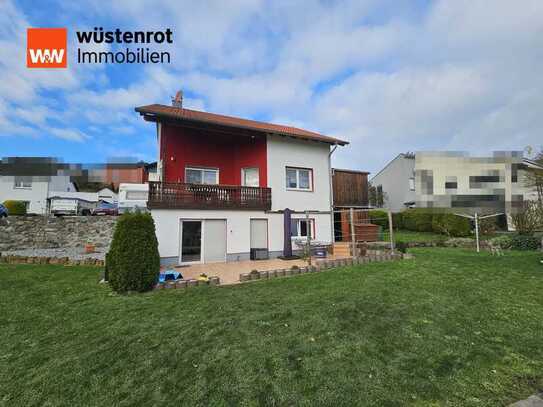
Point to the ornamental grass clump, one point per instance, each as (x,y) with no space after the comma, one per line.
(133,262)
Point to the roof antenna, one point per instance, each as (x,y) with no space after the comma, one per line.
(177,101)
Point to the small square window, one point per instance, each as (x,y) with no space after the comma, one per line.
(301,227)
(23,182)
(299,178)
(451,185)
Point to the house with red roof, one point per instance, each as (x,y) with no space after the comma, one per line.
(233,189)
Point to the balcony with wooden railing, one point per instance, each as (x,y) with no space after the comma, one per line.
(176,195)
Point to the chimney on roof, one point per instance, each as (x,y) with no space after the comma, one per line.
(177,101)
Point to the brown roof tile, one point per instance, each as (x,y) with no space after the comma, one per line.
(182,114)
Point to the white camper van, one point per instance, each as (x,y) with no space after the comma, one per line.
(132,197)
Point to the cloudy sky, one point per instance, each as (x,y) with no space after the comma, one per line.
(389,76)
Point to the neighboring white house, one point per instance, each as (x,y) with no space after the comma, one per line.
(397,182)
(454,180)
(34,190)
(225,183)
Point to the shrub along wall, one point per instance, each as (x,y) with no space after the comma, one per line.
(15,208)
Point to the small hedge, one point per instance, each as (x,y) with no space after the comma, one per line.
(418,220)
(397,220)
(378,217)
(525,242)
(428,220)
(517,242)
(15,208)
(133,262)
(451,225)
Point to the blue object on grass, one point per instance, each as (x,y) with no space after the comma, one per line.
(169,275)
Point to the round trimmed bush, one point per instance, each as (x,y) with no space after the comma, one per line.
(15,208)
(451,225)
(133,262)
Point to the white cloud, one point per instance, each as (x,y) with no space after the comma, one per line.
(387,75)
(69,134)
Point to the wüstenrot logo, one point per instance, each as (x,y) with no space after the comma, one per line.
(46,47)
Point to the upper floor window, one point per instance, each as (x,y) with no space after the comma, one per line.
(412,183)
(249,177)
(299,179)
(451,185)
(23,182)
(484,178)
(195,175)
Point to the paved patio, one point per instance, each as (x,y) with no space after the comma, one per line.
(229,272)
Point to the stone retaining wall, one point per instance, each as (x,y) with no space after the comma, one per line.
(45,232)
(65,261)
(173,284)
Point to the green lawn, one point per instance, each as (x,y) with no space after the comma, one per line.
(408,236)
(448,328)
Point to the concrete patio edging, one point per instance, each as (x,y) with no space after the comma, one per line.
(319,266)
(174,284)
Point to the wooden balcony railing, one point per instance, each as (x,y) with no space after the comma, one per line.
(174,195)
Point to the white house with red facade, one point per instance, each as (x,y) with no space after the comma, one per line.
(224,184)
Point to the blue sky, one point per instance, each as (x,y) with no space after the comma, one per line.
(388,75)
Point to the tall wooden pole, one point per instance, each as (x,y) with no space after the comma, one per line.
(391,230)
(353,237)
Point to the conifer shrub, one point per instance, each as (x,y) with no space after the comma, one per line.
(133,262)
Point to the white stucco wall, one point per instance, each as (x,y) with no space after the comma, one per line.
(37,194)
(167,222)
(284,152)
(394,178)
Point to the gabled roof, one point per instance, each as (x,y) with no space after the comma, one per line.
(156,112)
(407,156)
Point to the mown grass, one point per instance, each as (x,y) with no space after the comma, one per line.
(448,328)
(409,236)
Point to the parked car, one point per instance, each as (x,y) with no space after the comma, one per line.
(3,211)
(70,206)
(106,208)
(133,197)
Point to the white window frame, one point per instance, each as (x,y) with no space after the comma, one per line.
(298,170)
(20,183)
(202,169)
(299,229)
(243,171)
(411,183)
